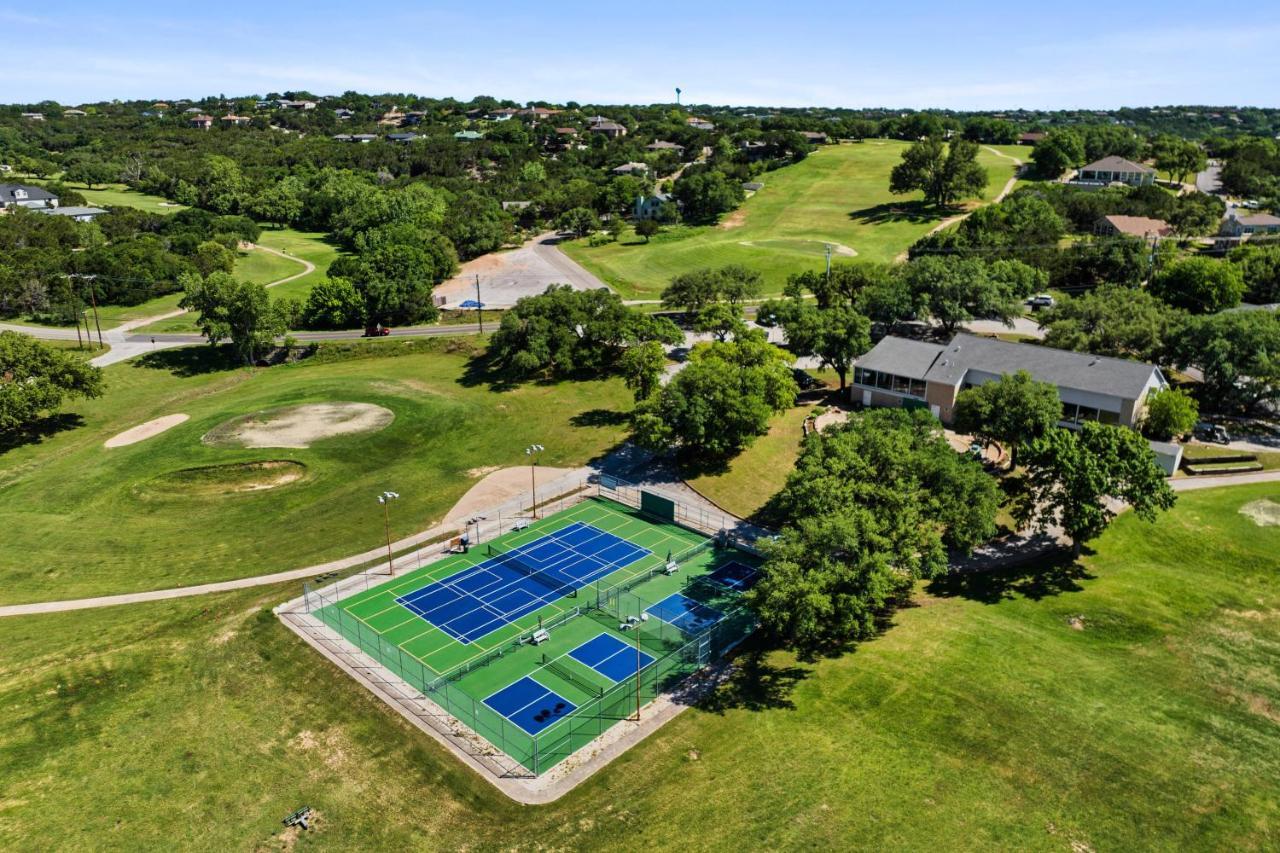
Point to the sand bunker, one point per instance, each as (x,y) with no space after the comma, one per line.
(144,431)
(299,426)
(1264,512)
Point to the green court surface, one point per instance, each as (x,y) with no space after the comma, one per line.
(662,624)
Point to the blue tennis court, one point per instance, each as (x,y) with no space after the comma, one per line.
(737,576)
(505,587)
(611,657)
(529,705)
(686,614)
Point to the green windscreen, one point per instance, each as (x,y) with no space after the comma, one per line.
(657,506)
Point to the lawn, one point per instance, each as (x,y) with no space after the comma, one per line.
(257,266)
(1130,703)
(839,194)
(748,480)
(119,195)
(310,246)
(80,519)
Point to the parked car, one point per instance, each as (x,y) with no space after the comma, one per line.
(377,331)
(1206,431)
(1041,300)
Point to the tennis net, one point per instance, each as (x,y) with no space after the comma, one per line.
(542,577)
(553,665)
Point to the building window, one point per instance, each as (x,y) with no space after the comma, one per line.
(917,388)
(1112,418)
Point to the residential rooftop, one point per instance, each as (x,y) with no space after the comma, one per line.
(949,363)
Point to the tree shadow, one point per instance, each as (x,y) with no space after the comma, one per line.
(754,683)
(693,466)
(483,369)
(600,418)
(1036,580)
(39,430)
(903,211)
(190,361)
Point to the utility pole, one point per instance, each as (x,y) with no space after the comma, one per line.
(636,628)
(479,305)
(828,248)
(93,300)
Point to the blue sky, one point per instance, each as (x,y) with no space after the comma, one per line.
(914,54)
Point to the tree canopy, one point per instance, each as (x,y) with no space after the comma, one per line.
(563,330)
(836,335)
(35,378)
(722,399)
(1199,285)
(943,172)
(871,506)
(1120,322)
(1169,413)
(1012,410)
(1238,353)
(239,311)
(1076,479)
(954,290)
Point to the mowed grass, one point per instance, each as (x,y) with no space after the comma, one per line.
(258,266)
(79,519)
(119,195)
(839,194)
(310,246)
(1128,704)
(746,482)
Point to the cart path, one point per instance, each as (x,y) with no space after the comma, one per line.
(1000,196)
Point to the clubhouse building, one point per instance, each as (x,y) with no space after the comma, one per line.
(903,372)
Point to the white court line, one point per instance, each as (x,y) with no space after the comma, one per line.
(549,692)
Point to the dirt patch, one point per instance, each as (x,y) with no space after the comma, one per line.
(1076,623)
(1264,512)
(299,426)
(499,486)
(734,220)
(213,480)
(144,431)
(473,473)
(405,387)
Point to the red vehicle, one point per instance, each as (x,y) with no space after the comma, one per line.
(377,331)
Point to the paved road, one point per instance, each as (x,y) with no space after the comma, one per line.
(1210,180)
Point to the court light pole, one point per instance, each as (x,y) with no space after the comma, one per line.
(385,499)
(532,452)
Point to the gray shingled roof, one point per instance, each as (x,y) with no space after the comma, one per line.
(901,356)
(949,363)
(72,211)
(33,193)
(1112,376)
(1115,164)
